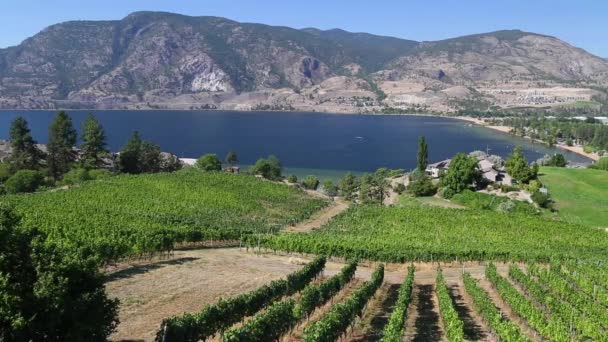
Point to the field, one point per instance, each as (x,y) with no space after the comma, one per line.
(407,302)
(146,214)
(425,233)
(580,195)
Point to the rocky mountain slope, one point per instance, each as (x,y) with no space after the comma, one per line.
(164,60)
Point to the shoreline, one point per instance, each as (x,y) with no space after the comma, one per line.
(507,129)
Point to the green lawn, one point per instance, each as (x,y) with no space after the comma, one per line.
(580,195)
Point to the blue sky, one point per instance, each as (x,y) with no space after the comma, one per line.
(583,23)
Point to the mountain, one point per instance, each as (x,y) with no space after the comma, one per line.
(165,60)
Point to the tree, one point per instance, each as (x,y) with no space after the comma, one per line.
(128,160)
(149,158)
(49,293)
(292,179)
(25,154)
(231,158)
(517,166)
(93,143)
(423,154)
(209,162)
(348,186)
(270,168)
(460,176)
(62,139)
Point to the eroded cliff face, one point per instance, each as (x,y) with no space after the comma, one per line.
(163,60)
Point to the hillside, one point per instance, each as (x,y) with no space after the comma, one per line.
(164,60)
(116,218)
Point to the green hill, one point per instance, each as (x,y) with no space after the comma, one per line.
(580,195)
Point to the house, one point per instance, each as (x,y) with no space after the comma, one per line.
(435,170)
(491,173)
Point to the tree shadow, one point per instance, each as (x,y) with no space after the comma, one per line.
(382,316)
(427,322)
(141,269)
(472,330)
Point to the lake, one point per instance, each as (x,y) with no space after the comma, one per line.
(307,143)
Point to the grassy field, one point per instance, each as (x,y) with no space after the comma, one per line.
(426,233)
(580,195)
(144,214)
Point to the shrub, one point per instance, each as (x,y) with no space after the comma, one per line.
(506,207)
(209,162)
(543,200)
(400,188)
(330,188)
(100,174)
(76,176)
(310,183)
(602,164)
(422,187)
(5,171)
(292,179)
(24,181)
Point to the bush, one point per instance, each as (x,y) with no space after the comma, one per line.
(602,164)
(422,187)
(5,171)
(292,179)
(330,188)
(506,207)
(24,181)
(48,294)
(400,188)
(543,200)
(76,176)
(310,183)
(96,174)
(209,162)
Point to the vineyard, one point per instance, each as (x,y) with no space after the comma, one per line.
(145,214)
(422,233)
(491,302)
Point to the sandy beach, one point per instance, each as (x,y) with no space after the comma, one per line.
(507,129)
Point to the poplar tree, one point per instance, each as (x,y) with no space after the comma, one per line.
(62,138)
(423,154)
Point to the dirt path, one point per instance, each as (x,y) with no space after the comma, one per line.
(506,310)
(297,334)
(475,328)
(376,314)
(321,218)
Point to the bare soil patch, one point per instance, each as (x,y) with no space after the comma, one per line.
(190,279)
(320,218)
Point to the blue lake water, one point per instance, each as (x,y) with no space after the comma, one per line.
(306,143)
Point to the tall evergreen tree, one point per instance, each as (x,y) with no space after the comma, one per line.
(128,161)
(62,139)
(423,154)
(93,142)
(25,154)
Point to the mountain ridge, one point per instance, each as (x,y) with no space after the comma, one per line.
(168,60)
